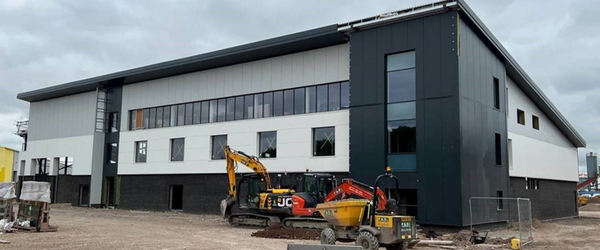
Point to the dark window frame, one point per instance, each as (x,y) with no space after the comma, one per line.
(496,92)
(498,149)
(137,155)
(315,143)
(113,122)
(174,157)
(213,144)
(521,117)
(535,122)
(263,153)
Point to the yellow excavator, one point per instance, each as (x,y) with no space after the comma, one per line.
(258,203)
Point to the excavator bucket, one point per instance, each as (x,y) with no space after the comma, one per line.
(226,205)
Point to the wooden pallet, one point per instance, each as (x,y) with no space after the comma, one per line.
(38,214)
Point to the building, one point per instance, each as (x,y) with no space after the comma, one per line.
(8,158)
(428,91)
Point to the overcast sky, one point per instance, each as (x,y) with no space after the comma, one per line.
(45,43)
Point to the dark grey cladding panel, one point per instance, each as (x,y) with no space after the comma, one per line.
(479,120)
(438,143)
(553,199)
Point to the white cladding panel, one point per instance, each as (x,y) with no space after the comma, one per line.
(62,117)
(294,145)
(545,153)
(306,68)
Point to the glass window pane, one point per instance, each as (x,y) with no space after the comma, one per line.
(278,103)
(113,122)
(402,136)
(288,102)
(402,162)
(132,119)
(230,109)
(180,114)
(197,112)
(400,61)
(334,96)
(322,98)
(177,149)
(299,102)
(159,117)
(258,106)
(311,100)
(112,153)
(145,117)
(324,141)
(221,110)
(141,148)
(173,115)
(268,144)
(345,95)
(213,111)
(239,108)
(205,112)
(218,145)
(268,104)
(402,86)
(248,107)
(188,113)
(402,111)
(152,118)
(167,116)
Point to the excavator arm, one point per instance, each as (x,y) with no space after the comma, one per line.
(251,162)
(350,187)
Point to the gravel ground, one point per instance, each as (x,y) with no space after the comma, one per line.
(84,228)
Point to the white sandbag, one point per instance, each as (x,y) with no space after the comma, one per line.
(35,191)
(7,190)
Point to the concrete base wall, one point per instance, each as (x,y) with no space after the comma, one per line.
(552,199)
(202,193)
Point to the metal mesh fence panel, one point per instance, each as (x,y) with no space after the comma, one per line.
(502,218)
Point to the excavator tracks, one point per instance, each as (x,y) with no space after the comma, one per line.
(252,220)
(304,223)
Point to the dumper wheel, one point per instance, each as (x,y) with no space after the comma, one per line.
(367,241)
(328,236)
(398,246)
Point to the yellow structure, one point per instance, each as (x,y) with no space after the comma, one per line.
(7,159)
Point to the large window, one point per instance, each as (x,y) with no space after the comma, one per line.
(112,153)
(177,149)
(113,122)
(320,98)
(496,93)
(498,146)
(218,147)
(324,141)
(401,111)
(267,144)
(141,150)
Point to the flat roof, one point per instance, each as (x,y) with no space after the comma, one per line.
(311,39)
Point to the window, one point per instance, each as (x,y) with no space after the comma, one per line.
(258,106)
(166,116)
(239,108)
(173,119)
(288,102)
(299,103)
(268,104)
(278,103)
(141,148)
(230,109)
(401,110)
(112,153)
(532,184)
(145,117)
(334,96)
(133,120)
(197,112)
(218,146)
(113,121)
(322,98)
(152,119)
(180,114)
(345,95)
(535,122)
(311,99)
(267,144)
(205,113)
(499,195)
(248,107)
(213,111)
(189,112)
(324,141)
(521,117)
(159,117)
(221,110)
(498,144)
(177,149)
(496,93)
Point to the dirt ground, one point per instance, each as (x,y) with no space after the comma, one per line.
(84,228)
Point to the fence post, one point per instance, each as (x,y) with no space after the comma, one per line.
(471,213)
(519,216)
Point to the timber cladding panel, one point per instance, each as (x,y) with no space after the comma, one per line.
(437,177)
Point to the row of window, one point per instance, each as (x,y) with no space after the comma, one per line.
(321,98)
(535,124)
(323,145)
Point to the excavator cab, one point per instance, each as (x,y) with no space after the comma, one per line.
(318,185)
(249,189)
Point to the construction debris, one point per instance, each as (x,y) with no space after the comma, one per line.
(278,232)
